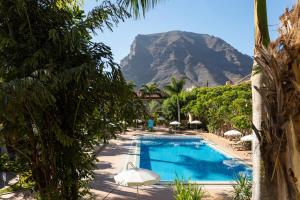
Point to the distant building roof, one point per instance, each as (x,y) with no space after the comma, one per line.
(243,80)
(157,95)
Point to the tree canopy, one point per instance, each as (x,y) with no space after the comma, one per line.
(175,86)
(222,107)
(59,91)
(219,108)
(150,89)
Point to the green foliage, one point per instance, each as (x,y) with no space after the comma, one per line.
(150,89)
(242,188)
(174,88)
(139,6)
(25,183)
(12,165)
(131,108)
(221,107)
(59,92)
(241,122)
(153,108)
(187,191)
(169,108)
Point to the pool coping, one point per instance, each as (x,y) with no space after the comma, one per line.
(136,158)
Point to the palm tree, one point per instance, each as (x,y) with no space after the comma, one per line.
(131,86)
(139,6)
(44,119)
(153,108)
(280,131)
(261,39)
(175,88)
(149,89)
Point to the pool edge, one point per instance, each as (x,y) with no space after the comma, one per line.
(211,144)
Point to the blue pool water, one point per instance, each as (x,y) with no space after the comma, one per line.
(188,158)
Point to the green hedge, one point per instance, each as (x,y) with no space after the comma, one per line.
(221,107)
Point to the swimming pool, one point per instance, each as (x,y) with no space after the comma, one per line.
(188,158)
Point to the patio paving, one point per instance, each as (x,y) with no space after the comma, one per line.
(112,159)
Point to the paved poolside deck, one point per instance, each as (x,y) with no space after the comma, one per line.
(114,156)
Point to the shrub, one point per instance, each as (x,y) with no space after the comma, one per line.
(220,108)
(242,189)
(59,91)
(188,191)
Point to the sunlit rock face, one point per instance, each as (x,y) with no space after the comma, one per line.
(200,58)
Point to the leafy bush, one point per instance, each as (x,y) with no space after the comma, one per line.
(60,92)
(25,183)
(241,122)
(188,191)
(242,189)
(220,108)
(169,108)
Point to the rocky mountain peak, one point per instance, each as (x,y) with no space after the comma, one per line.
(199,58)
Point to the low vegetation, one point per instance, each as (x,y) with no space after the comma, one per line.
(61,93)
(24,183)
(187,191)
(242,190)
(219,108)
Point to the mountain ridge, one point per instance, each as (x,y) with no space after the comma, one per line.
(196,57)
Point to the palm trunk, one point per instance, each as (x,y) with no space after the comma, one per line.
(261,38)
(282,182)
(178,109)
(291,160)
(280,149)
(256,80)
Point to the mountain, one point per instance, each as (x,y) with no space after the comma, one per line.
(200,58)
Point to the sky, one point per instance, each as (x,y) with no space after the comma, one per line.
(231,20)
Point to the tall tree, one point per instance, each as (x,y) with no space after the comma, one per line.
(133,105)
(153,108)
(150,89)
(280,141)
(56,88)
(261,39)
(138,7)
(174,88)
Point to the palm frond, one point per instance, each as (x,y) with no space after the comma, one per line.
(106,15)
(280,66)
(138,7)
(175,86)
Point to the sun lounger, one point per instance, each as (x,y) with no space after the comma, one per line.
(237,145)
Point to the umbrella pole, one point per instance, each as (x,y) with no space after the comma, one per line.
(137,192)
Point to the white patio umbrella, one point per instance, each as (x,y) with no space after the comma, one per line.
(175,123)
(233,133)
(161,118)
(139,121)
(247,138)
(136,177)
(112,124)
(196,122)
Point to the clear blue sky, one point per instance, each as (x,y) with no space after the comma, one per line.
(231,20)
